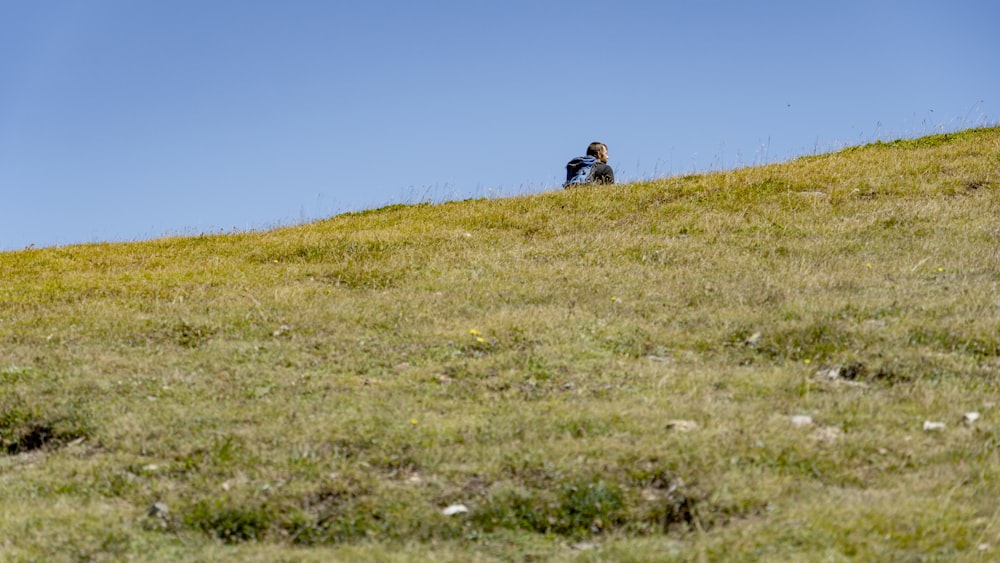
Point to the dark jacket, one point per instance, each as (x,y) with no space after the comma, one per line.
(600,173)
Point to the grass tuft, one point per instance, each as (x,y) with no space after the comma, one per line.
(27,426)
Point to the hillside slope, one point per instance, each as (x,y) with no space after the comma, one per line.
(738,364)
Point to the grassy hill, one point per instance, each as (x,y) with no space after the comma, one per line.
(740,365)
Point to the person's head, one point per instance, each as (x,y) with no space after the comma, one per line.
(599,151)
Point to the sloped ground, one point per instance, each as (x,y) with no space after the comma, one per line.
(731,365)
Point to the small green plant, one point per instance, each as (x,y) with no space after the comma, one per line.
(229,522)
(589,508)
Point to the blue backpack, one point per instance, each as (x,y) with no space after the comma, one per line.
(583,172)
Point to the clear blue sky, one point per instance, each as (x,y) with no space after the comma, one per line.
(132,119)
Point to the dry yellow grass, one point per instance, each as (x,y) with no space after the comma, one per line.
(324,391)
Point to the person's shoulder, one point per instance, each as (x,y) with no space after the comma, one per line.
(603,174)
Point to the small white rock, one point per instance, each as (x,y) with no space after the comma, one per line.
(159,510)
(930,426)
(831,373)
(455,509)
(682,425)
(801,420)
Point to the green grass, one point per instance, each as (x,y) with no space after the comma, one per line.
(324,391)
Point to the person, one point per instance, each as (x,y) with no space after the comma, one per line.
(590,169)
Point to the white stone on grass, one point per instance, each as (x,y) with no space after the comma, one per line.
(682,425)
(802,420)
(454,509)
(159,510)
(931,426)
